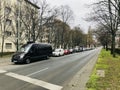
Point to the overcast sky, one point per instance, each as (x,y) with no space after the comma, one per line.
(80,9)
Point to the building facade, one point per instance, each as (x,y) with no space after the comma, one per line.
(12,26)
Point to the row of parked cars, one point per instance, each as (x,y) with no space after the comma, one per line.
(34,51)
(60,51)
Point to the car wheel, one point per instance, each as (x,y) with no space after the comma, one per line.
(47,57)
(27,61)
(15,62)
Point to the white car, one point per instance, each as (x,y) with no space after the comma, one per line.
(58,52)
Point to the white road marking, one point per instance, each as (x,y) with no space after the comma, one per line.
(40,83)
(37,72)
(3,71)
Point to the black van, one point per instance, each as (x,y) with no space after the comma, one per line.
(32,51)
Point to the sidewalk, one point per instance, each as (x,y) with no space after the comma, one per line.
(5,61)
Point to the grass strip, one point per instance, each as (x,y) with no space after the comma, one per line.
(110,79)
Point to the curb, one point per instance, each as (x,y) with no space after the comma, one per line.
(5,61)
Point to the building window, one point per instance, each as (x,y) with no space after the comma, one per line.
(7,10)
(8,33)
(8,45)
(8,22)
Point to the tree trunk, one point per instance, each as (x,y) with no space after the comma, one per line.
(3,37)
(2,46)
(106,46)
(33,30)
(113,46)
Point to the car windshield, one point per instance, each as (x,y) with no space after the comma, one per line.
(25,48)
(57,50)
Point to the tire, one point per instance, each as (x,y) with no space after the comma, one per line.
(47,57)
(15,62)
(27,61)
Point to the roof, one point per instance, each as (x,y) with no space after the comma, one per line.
(32,4)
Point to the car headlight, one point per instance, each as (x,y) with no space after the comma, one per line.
(22,55)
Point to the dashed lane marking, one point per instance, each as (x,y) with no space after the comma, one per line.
(37,82)
(3,71)
(37,72)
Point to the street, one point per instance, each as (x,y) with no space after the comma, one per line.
(51,74)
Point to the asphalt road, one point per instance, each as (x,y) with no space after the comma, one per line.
(49,74)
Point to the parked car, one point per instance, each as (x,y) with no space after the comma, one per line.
(76,49)
(58,52)
(81,48)
(32,51)
(66,51)
(71,50)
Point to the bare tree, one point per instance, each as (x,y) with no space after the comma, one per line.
(46,19)
(103,36)
(114,14)
(106,13)
(90,37)
(30,20)
(78,37)
(66,15)
(51,24)
(44,9)
(4,23)
(17,25)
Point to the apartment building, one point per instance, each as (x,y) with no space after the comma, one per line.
(12,28)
